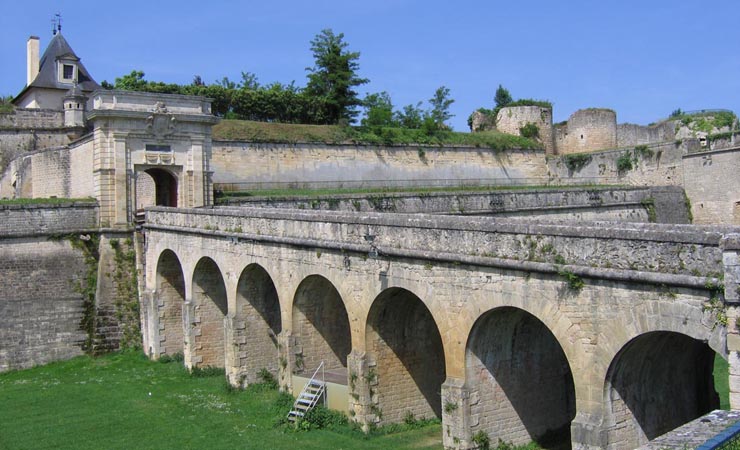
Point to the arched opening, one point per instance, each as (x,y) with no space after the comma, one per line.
(258,305)
(170,300)
(404,343)
(657,382)
(155,187)
(521,380)
(209,311)
(320,327)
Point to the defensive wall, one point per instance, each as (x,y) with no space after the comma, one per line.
(25,130)
(639,204)
(518,328)
(248,165)
(41,308)
(49,310)
(511,120)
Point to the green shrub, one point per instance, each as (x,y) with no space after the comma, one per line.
(644,151)
(624,162)
(530,131)
(267,378)
(577,161)
(481,440)
(320,417)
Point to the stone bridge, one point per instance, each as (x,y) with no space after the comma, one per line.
(601,334)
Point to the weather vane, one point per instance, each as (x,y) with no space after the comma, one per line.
(56,24)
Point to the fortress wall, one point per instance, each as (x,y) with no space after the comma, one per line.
(664,167)
(510,119)
(620,204)
(50,171)
(24,220)
(323,165)
(32,118)
(16,142)
(630,135)
(714,186)
(81,175)
(40,306)
(587,130)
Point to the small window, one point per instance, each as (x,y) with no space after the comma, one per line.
(68,71)
(158,148)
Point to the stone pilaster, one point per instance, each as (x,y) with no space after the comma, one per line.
(150,325)
(730,245)
(587,432)
(456,415)
(286,351)
(235,353)
(363,386)
(189,328)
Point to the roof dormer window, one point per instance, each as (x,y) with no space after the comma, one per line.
(67,72)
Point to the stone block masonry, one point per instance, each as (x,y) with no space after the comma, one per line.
(41,309)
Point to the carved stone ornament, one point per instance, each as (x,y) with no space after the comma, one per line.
(161,124)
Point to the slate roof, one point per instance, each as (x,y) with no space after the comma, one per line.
(47,77)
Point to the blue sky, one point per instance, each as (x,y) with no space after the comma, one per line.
(641,58)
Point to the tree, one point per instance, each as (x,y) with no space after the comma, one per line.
(440,103)
(411,116)
(378,110)
(502,97)
(334,76)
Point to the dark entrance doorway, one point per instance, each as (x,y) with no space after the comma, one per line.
(165,187)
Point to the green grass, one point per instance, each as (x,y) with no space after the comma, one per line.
(244,130)
(124,401)
(721,381)
(277,193)
(44,201)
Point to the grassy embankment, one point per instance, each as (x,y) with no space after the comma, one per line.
(244,130)
(123,401)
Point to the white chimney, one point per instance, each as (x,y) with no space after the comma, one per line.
(32,58)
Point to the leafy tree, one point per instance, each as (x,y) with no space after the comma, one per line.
(249,81)
(198,81)
(334,76)
(134,81)
(411,116)
(502,97)
(440,103)
(378,110)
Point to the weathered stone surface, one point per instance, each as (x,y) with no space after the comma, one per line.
(368,267)
(694,433)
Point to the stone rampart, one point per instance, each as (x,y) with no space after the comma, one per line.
(678,252)
(40,304)
(577,204)
(714,186)
(250,165)
(32,119)
(659,165)
(587,130)
(511,119)
(630,135)
(30,220)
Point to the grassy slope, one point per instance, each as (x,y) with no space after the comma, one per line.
(243,130)
(105,403)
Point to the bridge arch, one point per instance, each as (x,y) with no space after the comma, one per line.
(258,306)
(170,293)
(658,381)
(320,327)
(521,384)
(209,309)
(404,345)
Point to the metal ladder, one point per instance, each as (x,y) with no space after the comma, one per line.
(309,396)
